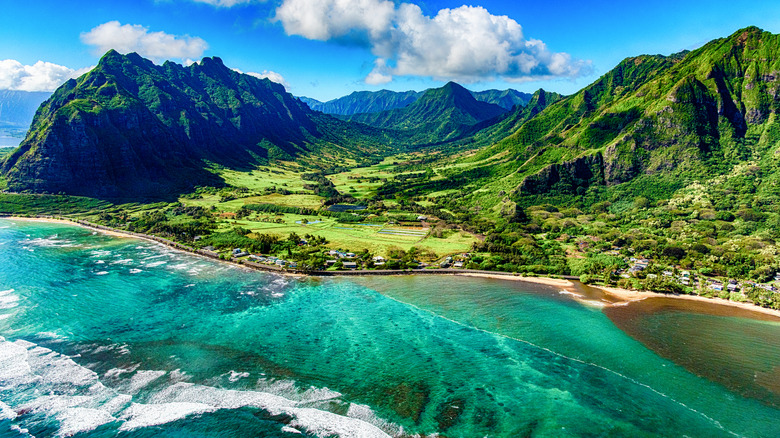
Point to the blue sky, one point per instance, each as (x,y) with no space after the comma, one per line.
(327,48)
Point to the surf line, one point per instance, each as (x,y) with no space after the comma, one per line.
(574,359)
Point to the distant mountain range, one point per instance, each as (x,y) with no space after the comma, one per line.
(17,108)
(440,114)
(383,100)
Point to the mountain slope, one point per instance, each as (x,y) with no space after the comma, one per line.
(504,98)
(364,102)
(132,128)
(686,116)
(17,108)
(440,114)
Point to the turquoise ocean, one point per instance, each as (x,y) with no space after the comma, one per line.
(105,336)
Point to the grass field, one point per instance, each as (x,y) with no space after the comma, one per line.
(355,237)
(361,183)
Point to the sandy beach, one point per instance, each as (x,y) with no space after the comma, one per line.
(625,296)
(558,282)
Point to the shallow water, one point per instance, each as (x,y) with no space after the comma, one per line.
(107,336)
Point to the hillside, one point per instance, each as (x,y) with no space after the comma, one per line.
(364,102)
(653,123)
(132,128)
(504,98)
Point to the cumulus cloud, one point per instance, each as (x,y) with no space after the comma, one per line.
(41,76)
(126,38)
(467,44)
(267,74)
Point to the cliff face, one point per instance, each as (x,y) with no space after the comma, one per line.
(689,115)
(131,128)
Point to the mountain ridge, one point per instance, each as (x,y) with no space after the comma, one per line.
(130,127)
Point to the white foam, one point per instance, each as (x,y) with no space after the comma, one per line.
(6,413)
(235,376)
(566,292)
(54,385)
(75,420)
(99,262)
(141,415)
(8,300)
(155,264)
(141,379)
(135,271)
(101,273)
(289,429)
(122,262)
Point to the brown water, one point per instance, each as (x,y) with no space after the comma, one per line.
(734,347)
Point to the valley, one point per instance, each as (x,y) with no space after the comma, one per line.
(669,161)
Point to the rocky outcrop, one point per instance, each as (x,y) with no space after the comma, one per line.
(565,177)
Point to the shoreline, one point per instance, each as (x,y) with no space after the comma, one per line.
(625,296)
(622,296)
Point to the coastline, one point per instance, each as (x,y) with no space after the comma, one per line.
(548,281)
(625,296)
(621,296)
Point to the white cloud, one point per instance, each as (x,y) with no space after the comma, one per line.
(41,76)
(225,3)
(126,38)
(267,74)
(467,44)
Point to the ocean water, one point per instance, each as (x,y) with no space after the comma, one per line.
(105,336)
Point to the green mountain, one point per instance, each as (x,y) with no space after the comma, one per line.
(504,98)
(130,128)
(658,121)
(439,115)
(17,108)
(364,102)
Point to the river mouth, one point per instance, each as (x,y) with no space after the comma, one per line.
(734,347)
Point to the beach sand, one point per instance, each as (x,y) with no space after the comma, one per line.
(624,296)
(558,282)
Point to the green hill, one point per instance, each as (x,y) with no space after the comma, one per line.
(670,119)
(130,128)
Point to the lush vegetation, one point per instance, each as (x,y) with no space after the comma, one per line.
(661,175)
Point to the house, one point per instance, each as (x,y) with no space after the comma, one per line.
(458,264)
(238,252)
(350,255)
(209,248)
(378,259)
(329,263)
(280,262)
(716,287)
(422,218)
(350,265)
